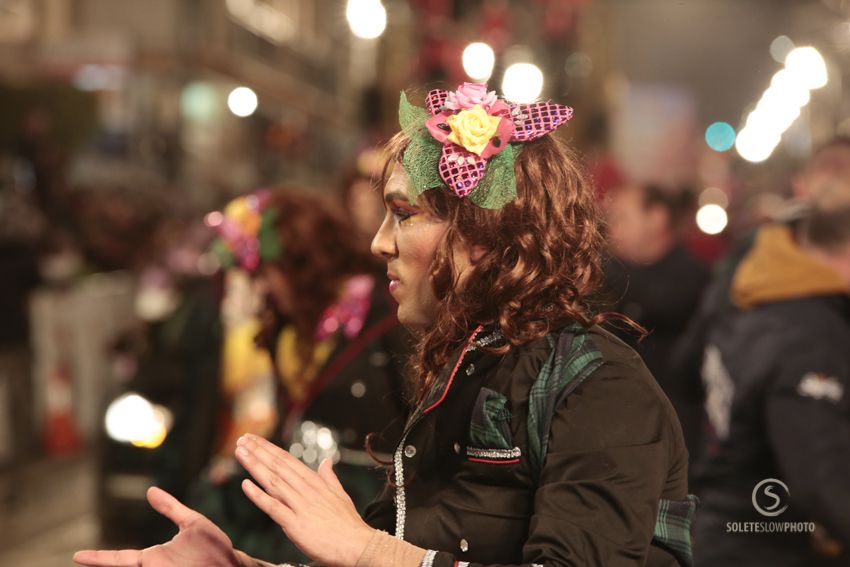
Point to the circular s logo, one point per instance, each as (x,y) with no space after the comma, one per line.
(770,497)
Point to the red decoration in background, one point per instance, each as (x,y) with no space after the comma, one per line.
(606,175)
(559,17)
(496,28)
(60,436)
(439,9)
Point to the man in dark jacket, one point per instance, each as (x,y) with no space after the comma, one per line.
(655,281)
(774,483)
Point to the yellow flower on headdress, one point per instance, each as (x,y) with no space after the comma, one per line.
(473,128)
(247,218)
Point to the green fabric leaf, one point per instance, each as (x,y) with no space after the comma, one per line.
(422,156)
(411,118)
(498,188)
(421,161)
(223,253)
(270,246)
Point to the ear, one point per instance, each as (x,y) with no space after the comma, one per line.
(476,252)
(659,218)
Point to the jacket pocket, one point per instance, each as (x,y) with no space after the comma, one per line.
(490,430)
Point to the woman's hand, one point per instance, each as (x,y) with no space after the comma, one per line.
(312,508)
(198,543)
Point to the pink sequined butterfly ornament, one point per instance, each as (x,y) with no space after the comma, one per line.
(467,141)
(246,231)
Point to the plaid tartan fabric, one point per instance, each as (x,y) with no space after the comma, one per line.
(574,357)
(673,527)
(490,426)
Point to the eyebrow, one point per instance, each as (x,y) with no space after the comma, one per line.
(396,196)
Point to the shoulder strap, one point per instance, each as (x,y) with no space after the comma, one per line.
(573,358)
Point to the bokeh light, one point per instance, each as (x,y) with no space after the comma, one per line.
(720,136)
(366,18)
(199,101)
(783,85)
(781,104)
(712,219)
(214,219)
(780,48)
(99,77)
(807,67)
(523,82)
(478,61)
(130,418)
(756,145)
(242,101)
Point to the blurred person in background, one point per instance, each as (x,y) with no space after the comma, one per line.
(335,349)
(360,199)
(171,359)
(21,229)
(825,181)
(822,179)
(655,281)
(36,145)
(777,379)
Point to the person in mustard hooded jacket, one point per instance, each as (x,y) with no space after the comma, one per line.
(775,482)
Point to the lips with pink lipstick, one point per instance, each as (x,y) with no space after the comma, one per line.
(394,281)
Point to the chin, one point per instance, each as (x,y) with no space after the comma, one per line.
(410,321)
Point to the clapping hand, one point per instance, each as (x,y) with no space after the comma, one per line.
(311,507)
(198,543)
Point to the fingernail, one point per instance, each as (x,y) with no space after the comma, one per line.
(242,451)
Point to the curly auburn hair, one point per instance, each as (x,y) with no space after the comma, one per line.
(319,254)
(541,264)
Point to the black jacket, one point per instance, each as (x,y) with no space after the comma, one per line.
(662,297)
(777,374)
(360,388)
(476,489)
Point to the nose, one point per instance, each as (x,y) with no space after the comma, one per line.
(383,244)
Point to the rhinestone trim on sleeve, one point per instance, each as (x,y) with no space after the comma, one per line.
(428,560)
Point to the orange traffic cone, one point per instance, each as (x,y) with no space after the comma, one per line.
(60,436)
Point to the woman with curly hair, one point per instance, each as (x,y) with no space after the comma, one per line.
(535,436)
(333,372)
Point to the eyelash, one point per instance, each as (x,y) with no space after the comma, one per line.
(402,215)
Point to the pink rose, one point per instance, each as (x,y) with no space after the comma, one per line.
(470,94)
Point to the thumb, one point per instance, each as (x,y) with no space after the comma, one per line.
(171,508)
(327,474)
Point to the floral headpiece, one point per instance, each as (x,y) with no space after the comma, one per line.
(246,232)
(467,141)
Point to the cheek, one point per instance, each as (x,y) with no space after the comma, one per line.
(419,240)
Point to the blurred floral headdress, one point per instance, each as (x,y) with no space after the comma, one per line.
(246,232)
(467,141)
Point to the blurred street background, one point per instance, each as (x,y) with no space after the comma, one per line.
(124,122)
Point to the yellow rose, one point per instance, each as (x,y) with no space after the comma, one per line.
(473,128)
(246,218)
(236,209)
